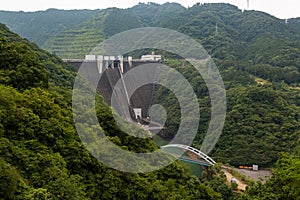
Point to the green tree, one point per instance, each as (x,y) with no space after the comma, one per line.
(9,180)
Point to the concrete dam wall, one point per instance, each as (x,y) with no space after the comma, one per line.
(111,74)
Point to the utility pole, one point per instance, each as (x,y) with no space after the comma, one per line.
(248,4)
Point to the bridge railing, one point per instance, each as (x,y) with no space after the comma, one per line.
(191,149)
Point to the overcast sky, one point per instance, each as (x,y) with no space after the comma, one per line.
(280,8)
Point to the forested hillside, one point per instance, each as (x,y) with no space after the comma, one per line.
(294,23)
(41,155)
(41,26)
(71,34)
(285,182)
(257,55)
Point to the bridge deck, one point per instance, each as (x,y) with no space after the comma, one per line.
(197,152)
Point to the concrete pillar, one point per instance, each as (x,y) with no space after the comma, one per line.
(100,63)
(130,61)
(120,58)
(106,62)
(122,65)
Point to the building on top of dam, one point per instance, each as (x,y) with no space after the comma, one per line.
(151,57)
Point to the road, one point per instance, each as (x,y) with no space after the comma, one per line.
(241,185)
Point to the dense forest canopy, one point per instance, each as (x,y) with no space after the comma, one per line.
(41,156)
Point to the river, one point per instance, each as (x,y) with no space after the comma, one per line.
(194,168)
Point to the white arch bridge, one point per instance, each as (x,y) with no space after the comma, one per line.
(201,158)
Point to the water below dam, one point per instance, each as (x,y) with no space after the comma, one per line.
(195,169)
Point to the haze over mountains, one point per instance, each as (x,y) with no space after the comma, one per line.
(72,34)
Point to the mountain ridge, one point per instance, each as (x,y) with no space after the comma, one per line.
(230,19)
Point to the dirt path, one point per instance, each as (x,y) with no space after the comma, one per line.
(241,185)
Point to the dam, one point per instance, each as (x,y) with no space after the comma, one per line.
(111,69)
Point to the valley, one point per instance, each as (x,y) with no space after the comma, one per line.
(43,157)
